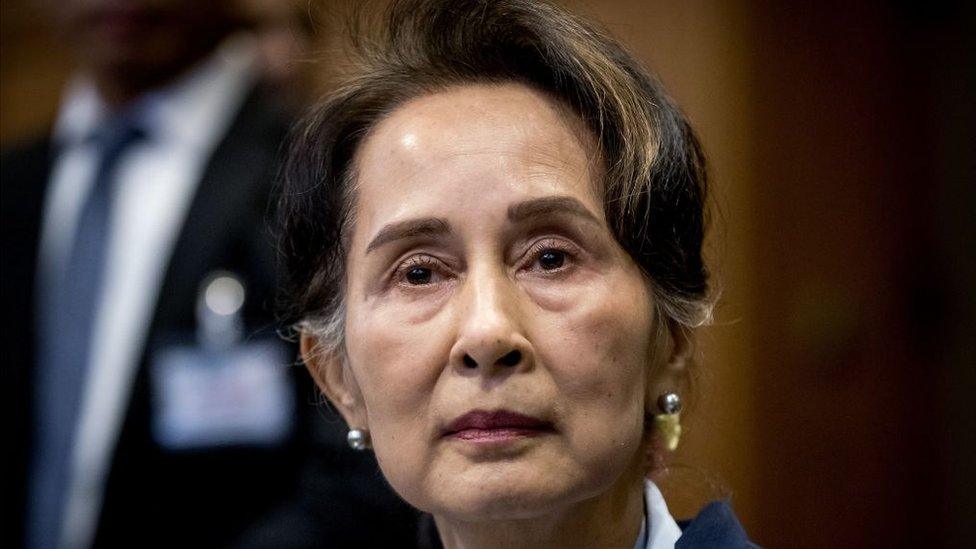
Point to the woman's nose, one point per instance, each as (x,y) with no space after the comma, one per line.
(490,335)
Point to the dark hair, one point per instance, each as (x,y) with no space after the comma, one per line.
(654,186)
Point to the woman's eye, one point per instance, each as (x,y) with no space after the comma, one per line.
(419,275)
(419,270)
(551,260)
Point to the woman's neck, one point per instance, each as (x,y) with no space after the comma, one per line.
(611,519)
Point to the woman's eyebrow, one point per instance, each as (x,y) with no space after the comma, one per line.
(550,205)
(430,226)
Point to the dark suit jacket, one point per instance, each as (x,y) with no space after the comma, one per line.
(715,527)
(207,498)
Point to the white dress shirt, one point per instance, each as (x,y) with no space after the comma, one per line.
(659,529)
(156,181)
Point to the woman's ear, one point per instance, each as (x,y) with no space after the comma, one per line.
(681,347)
(670,357)
(336,383)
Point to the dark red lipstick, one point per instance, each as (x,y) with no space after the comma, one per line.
(497,425)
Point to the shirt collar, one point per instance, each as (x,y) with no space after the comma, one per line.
(658,529)
(82,112)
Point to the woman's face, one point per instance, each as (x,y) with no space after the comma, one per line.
(498,338)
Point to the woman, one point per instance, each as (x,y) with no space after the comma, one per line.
(493,234)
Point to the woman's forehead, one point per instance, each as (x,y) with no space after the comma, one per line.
(480,146)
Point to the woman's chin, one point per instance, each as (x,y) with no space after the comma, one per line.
(505,491)
(498,503)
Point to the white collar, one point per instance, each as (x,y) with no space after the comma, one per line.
(175,112)
(664,531)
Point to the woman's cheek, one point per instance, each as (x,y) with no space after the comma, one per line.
(392,355)
(595,342)
(405,305)
(559,294)
(400,349)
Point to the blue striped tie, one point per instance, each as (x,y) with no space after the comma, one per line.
(68,312)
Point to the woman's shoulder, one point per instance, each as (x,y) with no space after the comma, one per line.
(715,526)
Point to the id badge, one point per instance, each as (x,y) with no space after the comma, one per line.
(206,397)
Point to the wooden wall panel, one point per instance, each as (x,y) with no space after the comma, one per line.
(33,69)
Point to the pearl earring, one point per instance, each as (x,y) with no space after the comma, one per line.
(358,439)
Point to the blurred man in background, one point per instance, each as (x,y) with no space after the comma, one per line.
(151,401)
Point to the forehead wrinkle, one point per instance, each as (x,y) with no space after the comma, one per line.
(539,163)
(586,170)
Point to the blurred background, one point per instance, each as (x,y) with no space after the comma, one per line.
(835,390)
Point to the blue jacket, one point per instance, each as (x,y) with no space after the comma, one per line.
(714,527)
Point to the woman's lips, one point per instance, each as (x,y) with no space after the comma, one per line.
(497,425)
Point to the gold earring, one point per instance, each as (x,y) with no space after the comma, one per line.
(668,422)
